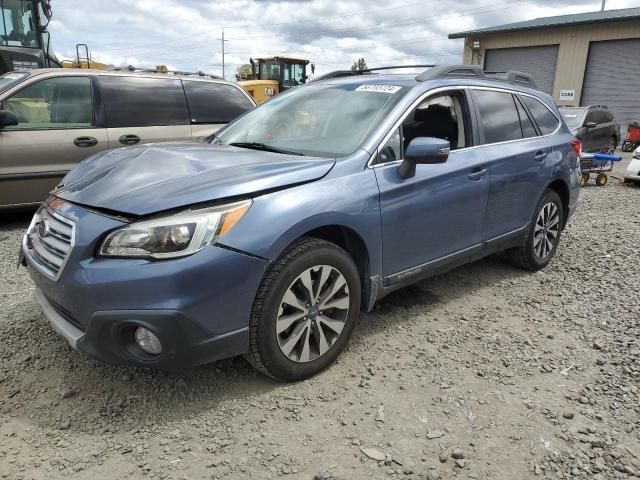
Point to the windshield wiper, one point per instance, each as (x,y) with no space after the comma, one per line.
(264,147)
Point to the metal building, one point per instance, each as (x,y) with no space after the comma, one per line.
(582,59)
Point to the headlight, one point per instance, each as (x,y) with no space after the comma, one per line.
(175,236)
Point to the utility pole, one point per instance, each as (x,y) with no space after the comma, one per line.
(223,76)
(603,4)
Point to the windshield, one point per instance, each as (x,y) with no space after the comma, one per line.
(319,120)
(10,79)
(17,24)
(572,117)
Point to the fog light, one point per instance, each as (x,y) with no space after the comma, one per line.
(148,341)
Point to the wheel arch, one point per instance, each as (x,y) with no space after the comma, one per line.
(350,241)
(562,189)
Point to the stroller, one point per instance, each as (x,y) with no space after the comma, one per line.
(633,137)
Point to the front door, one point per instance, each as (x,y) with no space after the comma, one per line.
(439,212)
(55,131)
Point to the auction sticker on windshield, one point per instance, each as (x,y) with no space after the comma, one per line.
(378,88)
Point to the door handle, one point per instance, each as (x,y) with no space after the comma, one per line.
(540,156)
(85,142)
(477,173)
(129,139)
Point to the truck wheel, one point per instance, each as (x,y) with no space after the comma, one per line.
(305,311)
(544,234)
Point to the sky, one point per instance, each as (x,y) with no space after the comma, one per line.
(185,34)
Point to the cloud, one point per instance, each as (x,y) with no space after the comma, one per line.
(333,34)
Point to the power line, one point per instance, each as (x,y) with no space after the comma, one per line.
(484,10)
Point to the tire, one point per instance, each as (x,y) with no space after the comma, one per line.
(278,302)
(527,256)
(627,146)
(601,179)
(584,179)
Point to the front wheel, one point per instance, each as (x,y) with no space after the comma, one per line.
(544,234)
(305,311)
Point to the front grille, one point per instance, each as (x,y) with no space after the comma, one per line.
(49,241)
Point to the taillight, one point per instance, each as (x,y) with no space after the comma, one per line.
(576,144)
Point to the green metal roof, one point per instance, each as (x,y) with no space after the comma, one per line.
(559,21)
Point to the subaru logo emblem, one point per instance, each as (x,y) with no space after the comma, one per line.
(44,228)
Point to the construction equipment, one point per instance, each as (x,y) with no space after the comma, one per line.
(24,40)
(83,62)
(272,75)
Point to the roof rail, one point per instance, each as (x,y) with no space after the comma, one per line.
(513,76)
(352,73)
(163,70)
(475,71)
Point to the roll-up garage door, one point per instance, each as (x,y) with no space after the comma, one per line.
(612,78)
(540,62)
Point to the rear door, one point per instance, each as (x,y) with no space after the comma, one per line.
(57,129)
(517,154)
(214,104)
(144,110)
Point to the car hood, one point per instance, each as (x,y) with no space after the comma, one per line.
(151,178)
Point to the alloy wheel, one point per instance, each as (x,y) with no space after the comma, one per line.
(312,313)
(546,230)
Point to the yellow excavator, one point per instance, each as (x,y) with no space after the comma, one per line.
(83,62)
(272,75)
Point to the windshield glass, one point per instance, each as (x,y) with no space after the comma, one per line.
(17,24)
(572,117)
(319,120)
(10,79)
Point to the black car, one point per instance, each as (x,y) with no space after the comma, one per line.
(595,125)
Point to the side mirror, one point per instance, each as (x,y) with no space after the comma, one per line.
(423,150)
(7,119)
(591,125)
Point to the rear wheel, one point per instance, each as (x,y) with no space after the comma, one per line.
(601,179)
(544,234)
(305,311)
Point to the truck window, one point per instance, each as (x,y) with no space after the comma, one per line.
(143,102)
(211,102)
(17,24)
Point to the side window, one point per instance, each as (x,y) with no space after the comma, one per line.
(608,117)
(547,121)
(443,117)
(143,102)
(392,150)
(61,102)
(211,102)
(591,117)
(498,116)
(528,130)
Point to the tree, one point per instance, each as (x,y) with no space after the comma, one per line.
(359,65)
(243,72)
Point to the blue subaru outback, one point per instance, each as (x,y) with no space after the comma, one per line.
(270,237)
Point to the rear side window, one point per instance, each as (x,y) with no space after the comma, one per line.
(547,121)
(608,117)
(528,130)
(211,102)
(498,116)
(143,102)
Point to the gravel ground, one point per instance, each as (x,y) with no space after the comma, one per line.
(484,372)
